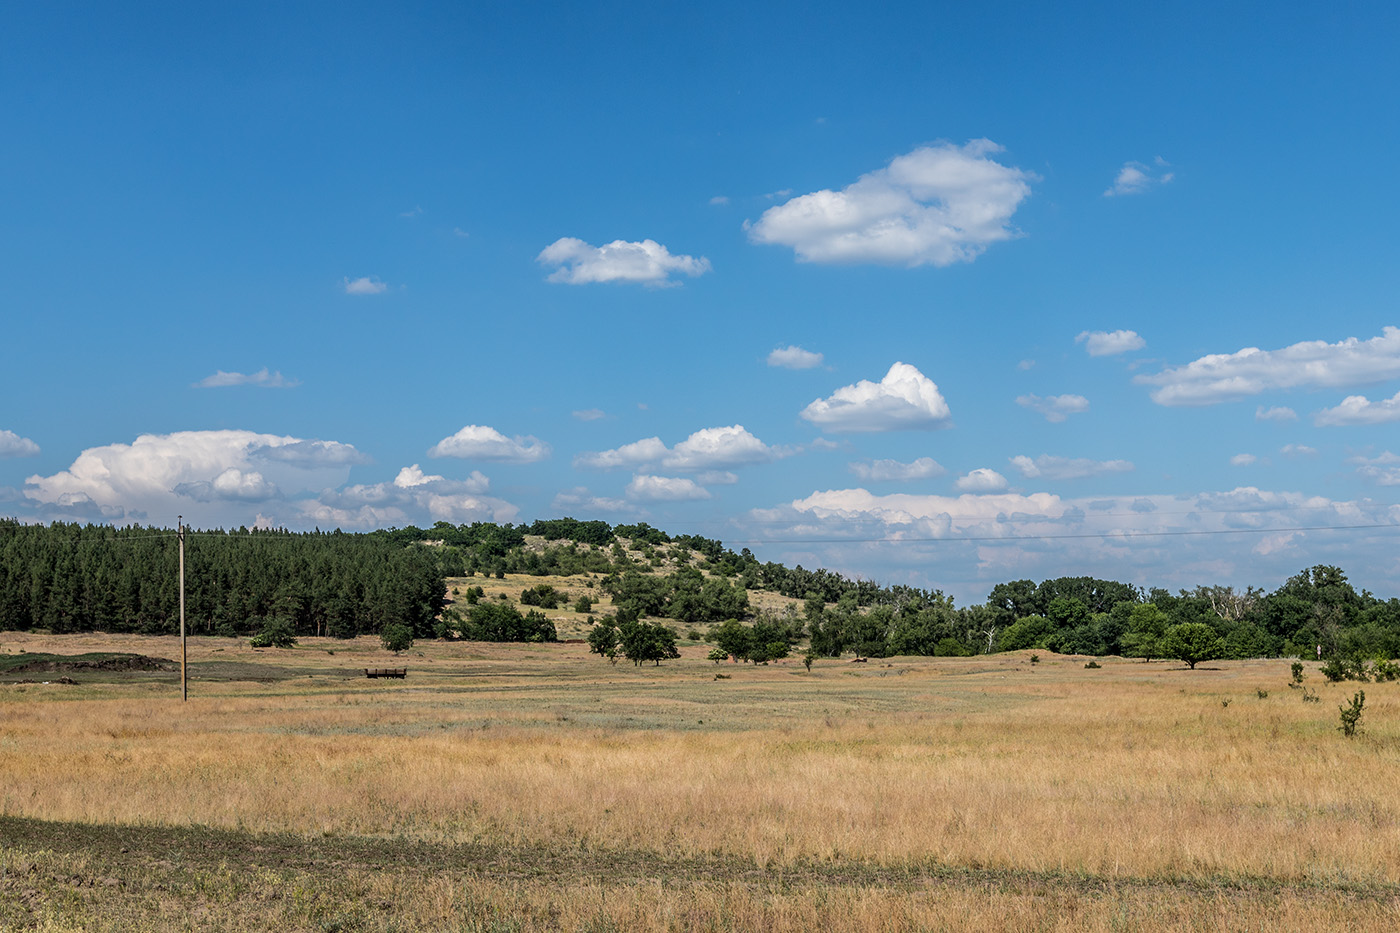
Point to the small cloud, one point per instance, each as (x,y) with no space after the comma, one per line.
(230,485)
(1025,365)
(905,399)
(589,414)
(411,476)
(1243,459)
(309,453)
(635,454)
(1358,409)
(479,442)
(1383,470)
(647,262)
(579,499)
(719,448)
(12,445)
(1225,377)
(1135,178)
(1106,343)
(1055,408)
(981,480)
(794,358)
(937,205)
(1279,414)
(459,232)
(719,200)
(1048,467)
(886,471)
(364,285)
(707,449)
(1293,451)
(262,378)
(417,210)
(665,489)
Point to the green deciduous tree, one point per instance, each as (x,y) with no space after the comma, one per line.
(396,637)
(647,641)
(1193,642)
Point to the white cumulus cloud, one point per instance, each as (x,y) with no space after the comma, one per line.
(1137,177)
(1383,470)
(1109,343)
(905,399)
(412,498)
(262,378)
(707,449)
(981,480)
(1055,408)
(1243,460)
(232,483)
(1047,467)
(794,358)
(1225,377)
(1280,414)
(12,445)
(887,471)
(158,476)
(720,448)
(934,206)
(647,262)
(646,488)
(364,285)
(638,453)
(480,442)
(312,453)
(589,414)
(580,499)
(1358,409)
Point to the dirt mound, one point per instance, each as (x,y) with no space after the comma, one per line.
(118,662)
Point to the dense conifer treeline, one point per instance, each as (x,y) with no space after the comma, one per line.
(73,578)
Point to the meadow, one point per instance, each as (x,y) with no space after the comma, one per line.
(537,787)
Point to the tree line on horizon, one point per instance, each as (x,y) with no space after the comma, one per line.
(68,577)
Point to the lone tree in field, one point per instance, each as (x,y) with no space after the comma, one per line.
(1192,642)
(396,638)
(645,641)
(605,639)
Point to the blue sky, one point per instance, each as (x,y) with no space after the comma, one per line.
(934,294)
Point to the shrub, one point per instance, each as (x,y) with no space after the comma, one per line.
(717,655)
(1351,714)
(1093,665)
(1298,672)
(396,637)
(584,604)
(276,633)
(543,595)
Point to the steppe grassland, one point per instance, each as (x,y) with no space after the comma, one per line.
(1133,771)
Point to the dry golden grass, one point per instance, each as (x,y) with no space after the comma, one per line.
(1133,777)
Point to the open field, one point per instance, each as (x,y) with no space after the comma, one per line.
(510,787)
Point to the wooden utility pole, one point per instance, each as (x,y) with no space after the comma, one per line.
(180,533)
